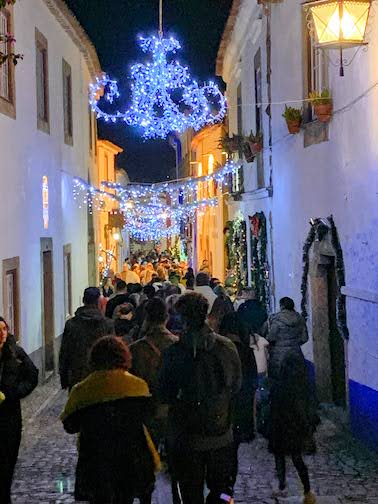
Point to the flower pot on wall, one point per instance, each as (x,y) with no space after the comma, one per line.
(255,147)
(294,127)
(248,154)
(323,112)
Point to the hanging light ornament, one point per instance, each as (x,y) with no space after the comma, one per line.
(339,24)
(164,96)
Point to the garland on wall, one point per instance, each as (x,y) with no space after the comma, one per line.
(236,245)
(260,276)
(319,229)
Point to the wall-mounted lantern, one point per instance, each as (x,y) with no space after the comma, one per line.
(339,24)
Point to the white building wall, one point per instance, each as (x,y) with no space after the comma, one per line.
(27,154)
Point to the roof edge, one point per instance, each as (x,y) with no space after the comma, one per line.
(227,34)
(73,28)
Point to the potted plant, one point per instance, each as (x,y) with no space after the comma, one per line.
(230,144)
(323,104)
(252,145)
(293,117)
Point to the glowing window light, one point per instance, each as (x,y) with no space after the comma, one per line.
(339,24)
(45,201)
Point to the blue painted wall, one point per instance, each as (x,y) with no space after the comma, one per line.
(363,410)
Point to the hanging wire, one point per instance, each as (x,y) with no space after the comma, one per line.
(161,18)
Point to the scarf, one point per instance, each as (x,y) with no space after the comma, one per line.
(106,386)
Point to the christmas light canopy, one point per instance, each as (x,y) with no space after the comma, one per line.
(164,96)
(339,24)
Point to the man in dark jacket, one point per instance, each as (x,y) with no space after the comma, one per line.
(80,333)
(200,376)
(251,313)
(121,297)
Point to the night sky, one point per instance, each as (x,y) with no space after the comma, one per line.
(113,26)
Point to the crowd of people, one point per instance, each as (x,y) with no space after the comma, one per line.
(163,368)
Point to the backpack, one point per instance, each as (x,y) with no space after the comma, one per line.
(204,401)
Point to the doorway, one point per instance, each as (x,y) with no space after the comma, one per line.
(47,305)
(328,344)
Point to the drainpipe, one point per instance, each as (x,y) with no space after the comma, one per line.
(268,11)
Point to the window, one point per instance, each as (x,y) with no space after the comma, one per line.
(67,103)
(238,178)
(315,69)
(259,116)
(7,84)
(67,281)
(42,77)
(11,307)
(90,128)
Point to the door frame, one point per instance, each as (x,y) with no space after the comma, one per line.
(321,253)
(47,246)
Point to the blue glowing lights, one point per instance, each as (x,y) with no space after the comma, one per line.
(164,97)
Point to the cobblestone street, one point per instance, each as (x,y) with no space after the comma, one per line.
(341,472)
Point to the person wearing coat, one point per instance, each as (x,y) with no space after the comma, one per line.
(80,333)
(200,377)
(243,418)
(147,357)
(251,312)
(291,425)
(108,409)
(18,378)
(286,332)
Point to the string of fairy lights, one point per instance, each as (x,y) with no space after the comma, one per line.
(156,211)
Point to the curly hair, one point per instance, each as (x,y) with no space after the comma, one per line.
(156,311)
(193,308)
(109,353)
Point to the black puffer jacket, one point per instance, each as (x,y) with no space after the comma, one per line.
(18,378)
(80,333)
(202,368)
(286,332)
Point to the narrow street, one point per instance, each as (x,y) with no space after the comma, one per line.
(341,472)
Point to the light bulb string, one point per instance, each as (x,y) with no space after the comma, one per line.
(161,19)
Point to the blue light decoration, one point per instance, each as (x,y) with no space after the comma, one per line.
(155,211)
(153,107)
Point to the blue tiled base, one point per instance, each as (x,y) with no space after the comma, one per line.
(364,413)
(363,410)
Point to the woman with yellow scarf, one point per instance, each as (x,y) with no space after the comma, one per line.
(117,457)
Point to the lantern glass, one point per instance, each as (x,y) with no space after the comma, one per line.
(340,23)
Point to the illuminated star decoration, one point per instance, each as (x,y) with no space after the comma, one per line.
(164,97)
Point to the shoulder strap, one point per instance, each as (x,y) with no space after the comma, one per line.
(153,346)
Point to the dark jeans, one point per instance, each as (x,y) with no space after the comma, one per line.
(299,465)
(217,468)
(9,447)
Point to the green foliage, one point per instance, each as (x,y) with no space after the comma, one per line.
(252,138)
(292,114)
(230,144)
(4,3)
(323,97)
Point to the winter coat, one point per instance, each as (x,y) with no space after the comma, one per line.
(253,315)
(18,378)
(117,300)
(221,369)
(80,333)
(243,416)
(286,333)
(292,420)
(208,293)
(147,354)
(117,458)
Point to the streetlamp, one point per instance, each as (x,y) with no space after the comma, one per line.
(339,24)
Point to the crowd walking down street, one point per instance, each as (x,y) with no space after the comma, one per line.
(176,415)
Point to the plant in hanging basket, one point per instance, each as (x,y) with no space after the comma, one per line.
(323,104)
(230,144)
(252,145)
(293,117)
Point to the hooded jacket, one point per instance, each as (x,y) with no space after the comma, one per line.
(80,333)
(216,360)
(117,457)
(287,332)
